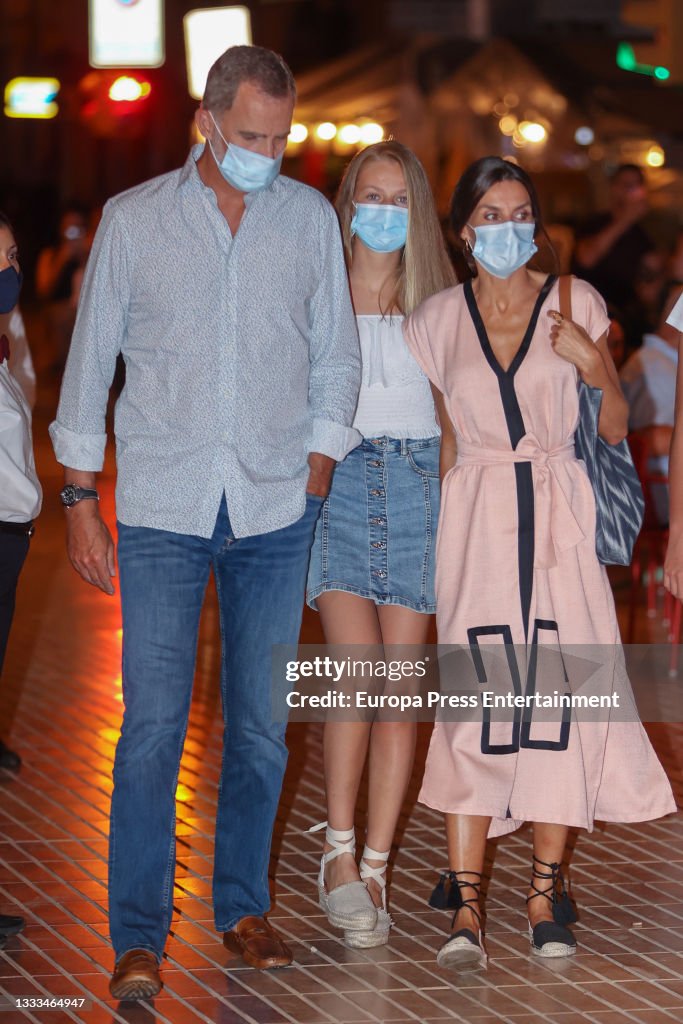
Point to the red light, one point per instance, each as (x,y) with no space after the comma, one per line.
(126,89)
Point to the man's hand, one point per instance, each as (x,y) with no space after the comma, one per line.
(89,545)
(320,475)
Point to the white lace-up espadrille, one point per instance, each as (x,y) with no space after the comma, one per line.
(379,935)
(347,906)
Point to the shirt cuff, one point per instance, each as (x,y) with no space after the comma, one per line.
(333,439)
(84,452)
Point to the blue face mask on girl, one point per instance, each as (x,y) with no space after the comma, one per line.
(243,169)
(503,248)
(382,227)
(11,281)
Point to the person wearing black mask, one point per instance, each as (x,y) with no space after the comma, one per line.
(20,492)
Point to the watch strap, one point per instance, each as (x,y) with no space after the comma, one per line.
(72,494)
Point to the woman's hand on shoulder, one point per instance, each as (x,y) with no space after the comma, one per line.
(571,342)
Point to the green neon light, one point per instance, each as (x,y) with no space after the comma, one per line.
(626,60)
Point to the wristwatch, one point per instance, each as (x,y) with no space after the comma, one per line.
(72,494)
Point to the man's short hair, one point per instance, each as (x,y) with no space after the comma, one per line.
(263,68)
(628,169)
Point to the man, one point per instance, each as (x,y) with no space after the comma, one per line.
(611,246)
(224,287)
(648,380)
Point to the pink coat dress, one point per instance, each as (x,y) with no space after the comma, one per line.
(516,564)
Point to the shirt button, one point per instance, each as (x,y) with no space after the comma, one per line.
(377,521)
(376,462)
(378,544)
(376,492)
(381,573)
(376,440)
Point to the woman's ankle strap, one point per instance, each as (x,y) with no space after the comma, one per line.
(370,854)
(341,840)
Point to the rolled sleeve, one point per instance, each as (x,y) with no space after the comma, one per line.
(333,439)
(78,434)
(334,379)
(78,451)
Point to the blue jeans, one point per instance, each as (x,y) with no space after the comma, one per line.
(163,576)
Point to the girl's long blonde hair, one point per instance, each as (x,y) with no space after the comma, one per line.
(425,267)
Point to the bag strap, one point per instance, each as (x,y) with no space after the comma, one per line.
(566,296)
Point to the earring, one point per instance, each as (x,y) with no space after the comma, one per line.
(468,247)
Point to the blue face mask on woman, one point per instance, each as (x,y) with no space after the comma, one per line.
(243,169)
(503,248)
(382,227)
(11,281)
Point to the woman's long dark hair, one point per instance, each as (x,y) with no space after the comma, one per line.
(474,184)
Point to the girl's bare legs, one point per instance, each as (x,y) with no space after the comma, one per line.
(349,619)
(392,743)
(346,619)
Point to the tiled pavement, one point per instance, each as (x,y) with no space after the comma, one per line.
(60,703)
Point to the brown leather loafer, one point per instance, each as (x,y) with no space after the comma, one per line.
(136,976)
(258,944)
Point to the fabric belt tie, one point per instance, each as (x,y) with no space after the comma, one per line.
(556,527)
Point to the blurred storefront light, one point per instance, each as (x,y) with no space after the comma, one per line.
(127,89)
(584,136)
(298,134)
(208,33)
(32,97)
(349,134)
(127,34)
(532,131)
(326,131)
(371,133)
(508,124)
(363,133)
(655,156)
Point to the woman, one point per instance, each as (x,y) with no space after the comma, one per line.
(20,493)
(372,565)
(516,559)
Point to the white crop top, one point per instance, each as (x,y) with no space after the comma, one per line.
(395,398)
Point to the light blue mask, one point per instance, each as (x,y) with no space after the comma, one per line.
(382,227)
(503,248)
(244,170)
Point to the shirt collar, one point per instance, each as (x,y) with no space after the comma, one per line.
(654,341)
(190,177)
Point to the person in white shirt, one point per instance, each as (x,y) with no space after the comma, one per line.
(371,573)
(648,380)
(20,493)
(673,563)
(20,360)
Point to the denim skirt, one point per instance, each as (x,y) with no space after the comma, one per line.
(376,531)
